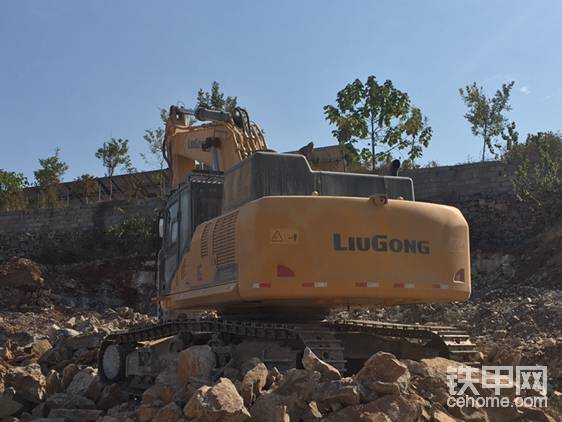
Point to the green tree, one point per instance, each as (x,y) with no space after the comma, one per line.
(114,154)
(538,163)
(417,133)
(11,190)
(380,114)
(48,178)
(155,157)
(486,115)
(350,157)
(510,136)
(215,99)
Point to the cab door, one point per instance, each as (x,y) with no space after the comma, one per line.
(177,236)
(169,254)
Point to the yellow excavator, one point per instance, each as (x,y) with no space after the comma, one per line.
(272,246)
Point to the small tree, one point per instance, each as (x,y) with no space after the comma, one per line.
(375,112)
(510,137)
(215,99)
(417,134)
(486,115)
(350,157)
(155,140)
(48,178)
(86,186)
(114,154)
(11,190)
(538,162)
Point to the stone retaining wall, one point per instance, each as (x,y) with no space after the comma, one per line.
(482,191)
(80,233)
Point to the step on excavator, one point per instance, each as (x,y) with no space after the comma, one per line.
(271,246)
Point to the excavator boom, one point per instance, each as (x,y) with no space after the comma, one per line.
(225,140)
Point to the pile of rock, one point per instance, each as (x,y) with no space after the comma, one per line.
(54,341)
(385,389)
(21,273)
(191,388)
(75,394)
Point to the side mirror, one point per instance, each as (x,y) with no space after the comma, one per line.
(161,227)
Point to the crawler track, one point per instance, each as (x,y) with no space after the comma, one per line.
(323,338)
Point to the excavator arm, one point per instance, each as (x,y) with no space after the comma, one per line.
(222,141)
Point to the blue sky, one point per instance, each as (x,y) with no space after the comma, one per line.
(74,73)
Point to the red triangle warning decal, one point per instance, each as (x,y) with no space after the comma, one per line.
(277,236)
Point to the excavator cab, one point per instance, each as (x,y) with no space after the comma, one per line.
(197,200)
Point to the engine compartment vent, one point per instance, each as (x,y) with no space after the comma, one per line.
(224,239)
(205,240)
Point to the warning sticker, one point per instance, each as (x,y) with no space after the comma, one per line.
(284,236)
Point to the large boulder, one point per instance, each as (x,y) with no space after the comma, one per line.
(28,382)
(169,413)
(8,406)
(312,413)
(146,412)
(54,383)
(430,379)
(474,414)
(334,395)
(433,388)
(83,341)
(535,414)
(67,401)
(40,347)
(253,383)
(195,365)
(82,382)
(555,404)
(311,362)
(439,365)
(298,381)
(220,402)
(68,374)
(22,274)
(388,408)
(169,376)
(76,415)
(124,412)
(439,416)
(397,408)
(158,395)
(111,396)
(275,407)
(357,413)
(384,374)
(290,395)
(95,389)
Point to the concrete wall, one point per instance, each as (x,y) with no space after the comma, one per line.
(456,182)
(82,232)
(482,191)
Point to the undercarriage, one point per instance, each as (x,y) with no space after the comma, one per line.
(137,356)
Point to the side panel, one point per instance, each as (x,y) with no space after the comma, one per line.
(349,250)
(320,251)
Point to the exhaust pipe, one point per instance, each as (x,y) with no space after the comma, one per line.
(394,167)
